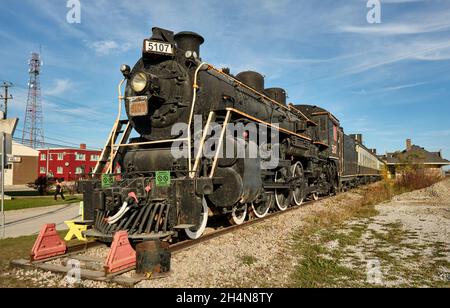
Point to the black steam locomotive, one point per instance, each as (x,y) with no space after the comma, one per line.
(154,194)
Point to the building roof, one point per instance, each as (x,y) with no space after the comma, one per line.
(416,155)
(22,150)
(67,149)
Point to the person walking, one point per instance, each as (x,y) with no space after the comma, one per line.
(59,190)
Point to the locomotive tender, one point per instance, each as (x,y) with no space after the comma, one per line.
(156,195)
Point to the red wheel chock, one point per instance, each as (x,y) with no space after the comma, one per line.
(121,255)
(48,244)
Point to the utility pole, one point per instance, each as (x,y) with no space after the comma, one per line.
(6,97)
(7,128)
(2,140)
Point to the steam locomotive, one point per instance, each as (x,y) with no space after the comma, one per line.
(152,193)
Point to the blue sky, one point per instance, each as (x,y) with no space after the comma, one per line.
(388,81)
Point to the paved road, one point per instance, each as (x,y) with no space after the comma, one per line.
(30,221)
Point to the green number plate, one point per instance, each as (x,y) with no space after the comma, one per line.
(107,180)
(163,178)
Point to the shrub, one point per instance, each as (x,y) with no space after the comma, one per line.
(415,179)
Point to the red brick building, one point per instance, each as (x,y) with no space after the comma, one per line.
(67,164)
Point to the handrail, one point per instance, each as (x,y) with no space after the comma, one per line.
(269,124)
(149,142)
(259,93)
(119,115)
(191,116)
(202,143)
(219,146)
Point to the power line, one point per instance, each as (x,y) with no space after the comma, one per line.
(48,144)
(44,144)
(67,143)
(54,98)
(70,105)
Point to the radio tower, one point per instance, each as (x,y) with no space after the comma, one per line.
(33,129)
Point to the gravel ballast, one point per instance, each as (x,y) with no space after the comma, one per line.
(261,255)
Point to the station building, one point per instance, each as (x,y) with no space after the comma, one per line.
(432,163)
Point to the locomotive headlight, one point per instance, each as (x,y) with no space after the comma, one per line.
(139,82)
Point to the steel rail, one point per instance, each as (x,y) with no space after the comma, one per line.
(184,245)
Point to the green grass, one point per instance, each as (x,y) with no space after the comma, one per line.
(14,249)
(323,266)
(31,193)
(17,248)
(318,268)
(248,260)
(26,203)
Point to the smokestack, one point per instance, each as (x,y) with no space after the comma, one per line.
(408,144)
(83,146)
(189,41)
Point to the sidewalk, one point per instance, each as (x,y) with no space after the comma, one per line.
(13,188)
(30,221)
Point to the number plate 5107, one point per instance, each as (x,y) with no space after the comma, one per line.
(158,47)
(138,106)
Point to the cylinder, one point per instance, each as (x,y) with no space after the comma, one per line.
(277,94)
(189,41)
(252,79)
(152,258)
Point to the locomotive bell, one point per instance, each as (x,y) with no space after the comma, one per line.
(189,41)
(125,69)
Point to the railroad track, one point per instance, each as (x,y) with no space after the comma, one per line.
(92,268)
(178,247)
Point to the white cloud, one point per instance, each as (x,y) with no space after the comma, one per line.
(60,87)
(395,29)
(400,1)
(389,89)
(436,133)
(104,48)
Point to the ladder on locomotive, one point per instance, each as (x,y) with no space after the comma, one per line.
(111,151)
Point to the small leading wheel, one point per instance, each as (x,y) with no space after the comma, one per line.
(195,233)
(300,183)
(238,215)
(283,197)
(261,209)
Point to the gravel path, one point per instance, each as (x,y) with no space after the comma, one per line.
(256,256)
(409,240)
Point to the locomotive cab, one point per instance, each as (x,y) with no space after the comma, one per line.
(328,133)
